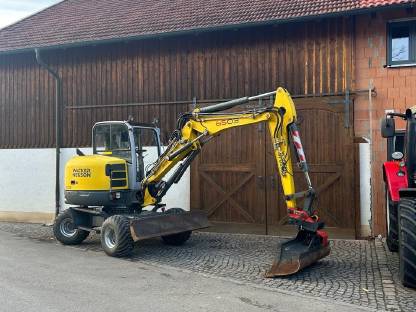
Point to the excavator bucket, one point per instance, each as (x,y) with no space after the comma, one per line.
(298,253)
(160,224)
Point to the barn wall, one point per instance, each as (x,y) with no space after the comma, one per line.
(307,58)
(150,79)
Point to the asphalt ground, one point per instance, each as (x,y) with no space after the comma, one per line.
(357,275)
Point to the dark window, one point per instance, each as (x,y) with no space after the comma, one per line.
(401,43)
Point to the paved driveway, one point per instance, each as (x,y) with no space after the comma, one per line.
(360,273)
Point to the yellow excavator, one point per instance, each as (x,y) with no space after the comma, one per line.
(118,190)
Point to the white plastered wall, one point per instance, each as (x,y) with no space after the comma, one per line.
(27,184)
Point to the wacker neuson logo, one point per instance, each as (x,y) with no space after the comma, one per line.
(81,173)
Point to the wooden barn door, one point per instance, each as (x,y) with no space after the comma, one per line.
(329,150)
(228,178)
(235,178)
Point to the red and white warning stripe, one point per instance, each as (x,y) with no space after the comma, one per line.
(298,144)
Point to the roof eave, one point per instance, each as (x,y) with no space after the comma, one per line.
(205,29)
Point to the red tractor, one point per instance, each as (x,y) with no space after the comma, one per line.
(399,172)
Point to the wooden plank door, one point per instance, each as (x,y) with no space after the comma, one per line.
(227,178)
(329,150)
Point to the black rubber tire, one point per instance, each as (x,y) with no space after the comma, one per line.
(407,241)
(393,224)
(62,235)
(179,238)
(118,228)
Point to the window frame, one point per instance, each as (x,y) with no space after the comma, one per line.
(411,23)
(115,152)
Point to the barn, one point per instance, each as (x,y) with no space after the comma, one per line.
(155,59)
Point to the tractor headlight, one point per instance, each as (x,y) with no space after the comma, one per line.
(397,155)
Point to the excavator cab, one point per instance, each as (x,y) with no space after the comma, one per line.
(137,143)
(107,195)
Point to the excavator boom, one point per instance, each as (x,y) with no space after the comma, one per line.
(196,128)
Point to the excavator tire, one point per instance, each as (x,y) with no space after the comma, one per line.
(64,230)
(179,238)
(393,224)
(407,241)
(116,238)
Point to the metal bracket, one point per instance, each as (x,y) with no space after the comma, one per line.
(347,102)
(194,103)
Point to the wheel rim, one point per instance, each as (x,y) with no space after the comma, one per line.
(67,228)
(110,238)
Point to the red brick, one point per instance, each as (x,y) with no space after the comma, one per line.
(363,64)
(381,72)
(407,92)
(410,101)
(392,72)
(382,83)
(393,93)
(400,104)
(399,82)
(368,52)
(361,128)
(405,72)
(361,115)
(411,81)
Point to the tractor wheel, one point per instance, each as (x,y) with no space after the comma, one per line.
(116,238)
(65,231)
(407,241)
(392,224)
(179,238)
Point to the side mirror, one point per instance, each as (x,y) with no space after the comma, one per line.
(79,152)
(410,112)
(388,127)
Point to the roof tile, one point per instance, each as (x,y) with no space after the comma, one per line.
(80,21)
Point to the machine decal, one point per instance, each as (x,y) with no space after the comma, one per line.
(81,173)
(225,122)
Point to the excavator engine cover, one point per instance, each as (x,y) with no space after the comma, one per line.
(300,252)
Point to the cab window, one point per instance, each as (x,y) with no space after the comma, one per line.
(147,146)
(112,140)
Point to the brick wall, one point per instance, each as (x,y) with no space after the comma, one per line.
(395,87)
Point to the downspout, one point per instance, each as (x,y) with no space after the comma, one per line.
(58,100)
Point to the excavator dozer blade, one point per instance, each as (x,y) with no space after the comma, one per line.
(297,254)
(165,223)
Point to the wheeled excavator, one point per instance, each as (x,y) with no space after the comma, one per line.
(114,192)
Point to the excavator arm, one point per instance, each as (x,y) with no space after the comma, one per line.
(196,128)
